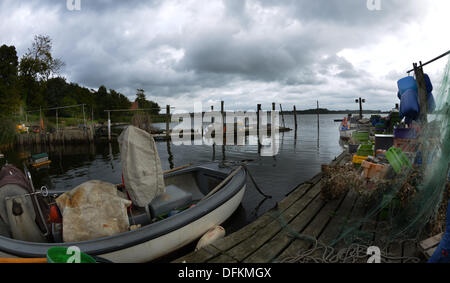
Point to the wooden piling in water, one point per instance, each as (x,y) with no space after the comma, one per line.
(282,116)
(168,118)
(295,120)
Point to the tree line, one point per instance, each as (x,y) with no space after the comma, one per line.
(34,83)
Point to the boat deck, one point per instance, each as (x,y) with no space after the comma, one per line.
(270,238)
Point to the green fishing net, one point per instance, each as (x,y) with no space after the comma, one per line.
(407,217)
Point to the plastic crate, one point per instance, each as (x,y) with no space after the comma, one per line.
(357,160)
(361,136)
(406,145)
(365,150)
(397,159)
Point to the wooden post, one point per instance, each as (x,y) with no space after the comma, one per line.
(282,116)
(421,85)
(295,120)
(222,111)
(109,125)
(318,120)
(168,121)
(258,124)
(273,118)
(360,108)
(212,118)
(258,117)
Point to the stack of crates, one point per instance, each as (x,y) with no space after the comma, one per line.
(361,136)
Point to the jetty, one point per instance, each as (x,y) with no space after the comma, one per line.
(281,233)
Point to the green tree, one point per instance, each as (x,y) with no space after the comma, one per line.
(38,62)
(143,103)
(35,69)
(9,87)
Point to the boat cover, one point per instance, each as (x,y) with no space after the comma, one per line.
(141,166)
(93,210)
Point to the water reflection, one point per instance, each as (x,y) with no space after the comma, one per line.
(299,157)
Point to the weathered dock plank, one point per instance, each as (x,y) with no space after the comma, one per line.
(239,236)
(247,247)
(312,228)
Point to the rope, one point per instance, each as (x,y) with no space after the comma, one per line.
(354,253)
(229,164)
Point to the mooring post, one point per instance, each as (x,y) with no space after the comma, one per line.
(109,125)
(295,120)
(282,116)
(258,118)
(422,87)
(224,127)
(318,123)
(168,121)
(273,118)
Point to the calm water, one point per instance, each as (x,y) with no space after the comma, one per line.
(298,160)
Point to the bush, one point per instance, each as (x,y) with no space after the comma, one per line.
(7,132)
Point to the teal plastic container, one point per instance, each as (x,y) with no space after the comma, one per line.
(397,159)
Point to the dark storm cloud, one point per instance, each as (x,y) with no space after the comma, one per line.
(182,48)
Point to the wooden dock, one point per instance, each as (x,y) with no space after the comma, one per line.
(274,236)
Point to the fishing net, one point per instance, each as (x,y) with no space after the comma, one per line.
(404,208)
(416,194)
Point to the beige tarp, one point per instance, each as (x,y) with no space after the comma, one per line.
(93,210)
(141,166)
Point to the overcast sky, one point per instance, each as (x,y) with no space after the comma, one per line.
(242,52)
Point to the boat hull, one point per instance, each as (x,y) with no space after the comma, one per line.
(157,239)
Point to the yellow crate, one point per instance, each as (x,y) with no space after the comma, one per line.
(359,159)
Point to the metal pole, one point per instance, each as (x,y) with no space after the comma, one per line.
(84,118)
(57,127)
(40,119)
(431,61)
(109,126)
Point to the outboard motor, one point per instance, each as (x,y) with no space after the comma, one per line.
(21,213)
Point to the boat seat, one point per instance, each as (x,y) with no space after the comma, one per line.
(173,199)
